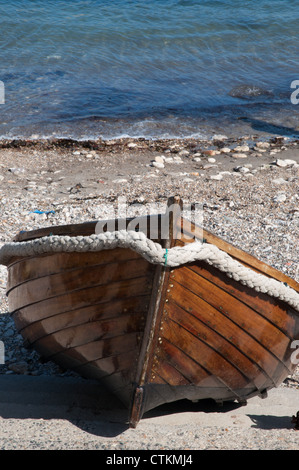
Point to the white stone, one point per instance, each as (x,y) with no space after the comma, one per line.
(281,197)
(242,169)
(279,181)
(159,159)
(158,164)
(284,163)
(290,162)
(220,137)
(208,166)
(216,177)
(188,180)
(225,150)
(184,153)
(241,148)
(120,180)
(239,155)
(262,145)
(211,160)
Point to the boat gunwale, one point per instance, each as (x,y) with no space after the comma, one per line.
(88,228)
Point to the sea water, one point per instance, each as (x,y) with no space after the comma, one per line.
(165,68)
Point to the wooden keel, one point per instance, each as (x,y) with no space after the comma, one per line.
(150,338)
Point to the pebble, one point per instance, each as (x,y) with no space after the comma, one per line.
(239,155)
(120,180)
(281,197)
(19,367)
(241,149)
(158,164)
(216,177)
(242,169)
(17,171)
(209,152)
(262,145)
(184,153)
(279,181)
(208,166)
(285,163)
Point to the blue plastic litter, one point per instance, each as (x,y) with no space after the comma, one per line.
(41,212)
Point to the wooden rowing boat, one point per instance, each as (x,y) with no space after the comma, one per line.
(150,333)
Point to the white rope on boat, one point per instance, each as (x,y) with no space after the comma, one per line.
(156,254)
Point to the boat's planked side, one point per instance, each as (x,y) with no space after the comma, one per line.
(224,329)
(32,268)
(250,320)
(35,328)
(68,338)
(89,318)
(55,285)
(215,341)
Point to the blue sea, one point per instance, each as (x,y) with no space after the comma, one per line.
(86,69)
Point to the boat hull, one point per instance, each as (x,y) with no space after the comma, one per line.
(154,334)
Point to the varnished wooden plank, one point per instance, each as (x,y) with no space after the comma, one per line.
(187,366)
(88,296)
(101,348)
(89,332)
(205,356)
(222,345)
(168,374)
(34,328)
(105,366)
(58,284)
(255,324)
(27,269)
(267,306)
(261,360)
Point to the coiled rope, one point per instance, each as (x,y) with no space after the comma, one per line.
(156,254)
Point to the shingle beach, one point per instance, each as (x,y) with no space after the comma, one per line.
(248,190)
